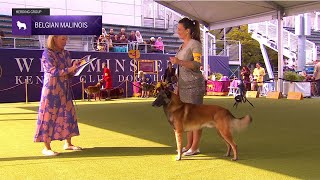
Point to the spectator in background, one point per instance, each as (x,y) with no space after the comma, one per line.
(139,37)
(111,33)
(107,79)
(145,82)
(169,73)
(123,32)
(104,32)
(1,37)
(116,39)
(101,43)
(132,40)
(132,37)
(245,74)
(139,40)
(123,39)
(158,45)
(108,42)
(95,44)
(258,74)
(151,44)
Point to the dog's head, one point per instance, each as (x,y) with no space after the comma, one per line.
(163,98)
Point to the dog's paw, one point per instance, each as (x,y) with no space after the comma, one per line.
(178,158)
(234,159)
(226,155)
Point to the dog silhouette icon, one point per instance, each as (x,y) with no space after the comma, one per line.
(21,25)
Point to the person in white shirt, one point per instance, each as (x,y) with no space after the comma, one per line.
(316,76)
(139,37)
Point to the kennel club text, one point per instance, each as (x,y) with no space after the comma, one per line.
(122,69)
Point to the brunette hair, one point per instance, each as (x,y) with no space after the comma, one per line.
(194,27)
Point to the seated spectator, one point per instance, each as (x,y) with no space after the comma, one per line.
(139,37)
(111,33)
(116,39)
(139,41)
(109,42)
(123,40)
(159,46)
(151,44)
(101,43)
(95,42)
(132,41)
(132,37)
(104,32)
(123,32)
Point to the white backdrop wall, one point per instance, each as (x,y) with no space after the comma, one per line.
(125,12)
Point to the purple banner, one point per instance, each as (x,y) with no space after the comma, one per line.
(56,25)
(18,65)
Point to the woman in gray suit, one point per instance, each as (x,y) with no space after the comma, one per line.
(191,83)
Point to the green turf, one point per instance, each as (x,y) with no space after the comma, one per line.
(132,140)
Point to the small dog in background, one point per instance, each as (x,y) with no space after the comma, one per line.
(93,90)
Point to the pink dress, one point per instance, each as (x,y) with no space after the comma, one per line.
(159,45)
(56,117)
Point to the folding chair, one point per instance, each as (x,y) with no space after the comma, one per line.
(234,89)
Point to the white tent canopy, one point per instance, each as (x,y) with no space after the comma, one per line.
(222,14)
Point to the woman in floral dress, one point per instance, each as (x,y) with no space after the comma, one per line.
(57,117)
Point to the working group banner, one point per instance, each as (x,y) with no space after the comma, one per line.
(56,25)
(20,65)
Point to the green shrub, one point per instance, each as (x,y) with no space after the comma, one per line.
(217,75)
(292,76)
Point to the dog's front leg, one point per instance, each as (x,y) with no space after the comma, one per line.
(178,134)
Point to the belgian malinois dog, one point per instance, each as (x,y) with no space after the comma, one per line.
(189,117)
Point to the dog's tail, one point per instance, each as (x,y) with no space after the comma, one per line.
(241,124)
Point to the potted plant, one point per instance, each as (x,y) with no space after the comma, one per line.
(215,76)
(293,76)
(294,82)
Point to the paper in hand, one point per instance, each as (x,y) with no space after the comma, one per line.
(84,62)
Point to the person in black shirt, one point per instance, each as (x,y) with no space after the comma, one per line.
(169,73)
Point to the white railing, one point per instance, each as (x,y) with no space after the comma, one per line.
(125,47)
(231,48)
(266,32)
(15,41)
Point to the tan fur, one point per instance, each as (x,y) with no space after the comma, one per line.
(93,90)
(188,117)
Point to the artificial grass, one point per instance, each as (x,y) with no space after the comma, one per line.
(129,139)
